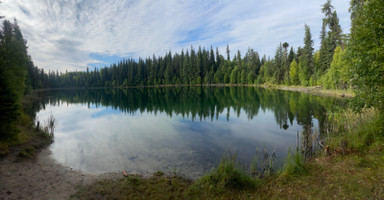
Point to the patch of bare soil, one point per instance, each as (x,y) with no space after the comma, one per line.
(42,178)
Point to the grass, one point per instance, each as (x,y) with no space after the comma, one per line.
(294,165)
(30,138)
(227,176)
(332,177)
(318,90)
(357,131)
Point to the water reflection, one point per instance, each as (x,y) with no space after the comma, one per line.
(186,129)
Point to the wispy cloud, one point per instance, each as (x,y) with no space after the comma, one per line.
(68,34)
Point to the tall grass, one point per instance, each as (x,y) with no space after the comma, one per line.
(294,165)
(47,129)
(357,131)
(228,175)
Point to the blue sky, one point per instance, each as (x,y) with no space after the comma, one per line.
(74,34)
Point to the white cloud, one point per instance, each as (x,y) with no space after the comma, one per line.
(62,34)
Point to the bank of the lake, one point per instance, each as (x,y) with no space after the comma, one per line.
(27,169)
(316,90)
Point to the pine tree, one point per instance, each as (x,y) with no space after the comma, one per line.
(13,69)
(278,65)
(228,53)
(307,60)
(285,63)
(330,39)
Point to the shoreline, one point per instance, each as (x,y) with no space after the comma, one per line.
(315,90)
(41,177)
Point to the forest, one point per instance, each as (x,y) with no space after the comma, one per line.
(355,60)
(302,66)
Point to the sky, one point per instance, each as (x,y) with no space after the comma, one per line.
(76,34)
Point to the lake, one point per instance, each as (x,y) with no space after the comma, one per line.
(183,130)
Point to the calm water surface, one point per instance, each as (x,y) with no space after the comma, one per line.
(186,130)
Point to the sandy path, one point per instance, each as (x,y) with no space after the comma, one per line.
(41,178)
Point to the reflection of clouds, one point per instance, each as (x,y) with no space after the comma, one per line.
(244,136)
(102,140)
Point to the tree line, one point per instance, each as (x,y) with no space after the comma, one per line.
(302,66)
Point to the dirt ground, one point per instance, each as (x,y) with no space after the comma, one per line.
(41,178)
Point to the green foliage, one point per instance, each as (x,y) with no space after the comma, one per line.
(303,71)
(308,53)
(27,153)
(329,39)
(228,176)
(294,73)
(13,64)
(366,54)
(294,165)
(336,76)
(358,131)
(234,75)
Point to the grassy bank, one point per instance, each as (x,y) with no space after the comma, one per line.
(30,138)
(351,166)
(316,90)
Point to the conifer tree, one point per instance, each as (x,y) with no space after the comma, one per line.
(329,39)
(13,69)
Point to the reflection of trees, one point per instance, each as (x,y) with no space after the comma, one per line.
(191,102)
(205,102)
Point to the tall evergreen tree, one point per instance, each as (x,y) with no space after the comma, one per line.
(228,53)
(285,63)
(307,62)
(329,39)
(13,71)
(278,65)
(291,55)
